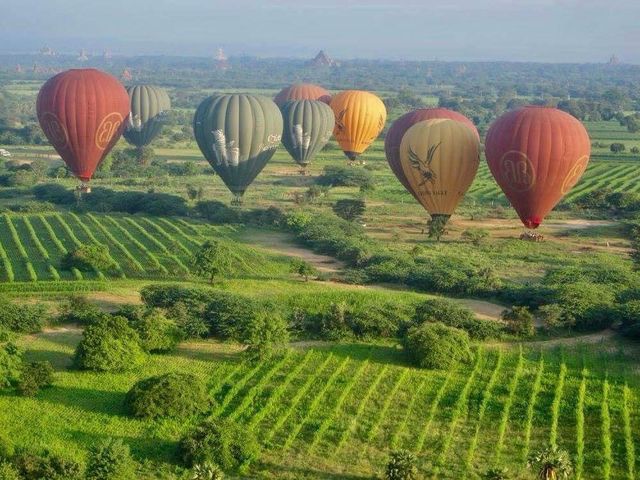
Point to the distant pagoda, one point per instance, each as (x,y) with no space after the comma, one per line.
(126,76)
(47,51)
(221,61)
(613,60)
(323,60)
(106,55)
(19,68)
(83,57)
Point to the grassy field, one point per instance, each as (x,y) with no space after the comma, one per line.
(334,411)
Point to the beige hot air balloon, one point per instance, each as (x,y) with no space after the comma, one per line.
(440,158)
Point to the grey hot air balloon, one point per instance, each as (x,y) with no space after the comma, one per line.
(308,125)
(149,105)
(238,134)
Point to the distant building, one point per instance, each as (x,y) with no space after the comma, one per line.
(613,60)
(47,51)
(106,55)
(323,60)
(18,68)
(461,70)
(221,61)
(83,57)
(126,76)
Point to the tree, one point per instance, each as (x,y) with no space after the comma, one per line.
(617,147)
(40,169)
(551,463)
(34,376)
(437,226)
(401,466)
(302,268)
(349,209)
(519,321)
(265,336)
(496,473)
(110,460)
(195,193)
(212,260)
(144,155)
(89,257)
(435,345)
(632,123)
(475,235)
(635,150)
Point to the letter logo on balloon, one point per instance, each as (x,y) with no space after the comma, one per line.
(54,130)
(575,173)
(108,129)
(517,171)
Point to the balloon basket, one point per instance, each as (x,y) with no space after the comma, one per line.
(531,236)
(83,188)
(236,201)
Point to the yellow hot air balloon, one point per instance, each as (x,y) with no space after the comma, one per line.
(440,158)
(360,118)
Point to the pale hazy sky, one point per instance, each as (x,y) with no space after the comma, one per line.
(522,30)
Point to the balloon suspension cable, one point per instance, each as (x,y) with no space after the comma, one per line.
(80,190)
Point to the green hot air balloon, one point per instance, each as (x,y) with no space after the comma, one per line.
(308,125)
(238,134)
(149,105)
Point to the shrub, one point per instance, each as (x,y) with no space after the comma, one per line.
(551,463)
(211,260)
(585,305)
(220,442)
(453,315)
(207,471)
(10,364)
(629,314)
(33,207)
(339,176)
(88,258)
(496,473)
(109,344)
(8,471)
(54,193)
(476,236)
(302,268)
(350,209)
(46,466)
(165,296)
(401,466)
(519,321)
(435,345)
(34,376)
(266,335)
(218,212)
(156,332)
(22,318)
(188,320)
(175,395)
(453,275)
(78,309)
(228,314)
(551,316)
(110,460)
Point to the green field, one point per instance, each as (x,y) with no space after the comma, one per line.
(334,411)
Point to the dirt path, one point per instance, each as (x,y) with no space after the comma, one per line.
(588,339)
(284,244)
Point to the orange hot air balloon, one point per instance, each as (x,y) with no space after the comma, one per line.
(394,135)
(536,154)
(82,112)
(439,158)
(302,91)
(360,118)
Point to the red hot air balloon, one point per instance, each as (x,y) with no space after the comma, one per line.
(394,136)
(82,112)
(536,154)
(302,91)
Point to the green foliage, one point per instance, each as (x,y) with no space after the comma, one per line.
(109,344)
(453,275)
(435,345)
(175,395)
(350,209)
(437,226)
(519,321)
(156,332)
(585,305)
(551,463)
(551,316)
(211,260)
(207,471)
(10,364)
(35,376)
(7,448)
(8,471)
(401,466)
(629,314)
(302,268)
(476,236)
(110,460)
(454,315)
(221,442)
(617,147)
(190,321)
(228,314)
(265,336)
(46,466)
(22,318)
(78,310)
(496,473)
(88,258)
(341,176)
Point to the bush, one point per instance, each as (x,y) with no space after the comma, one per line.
(476,236)
(339,176)
(302,268)
(453,315)
(349,209)
(22,318)
(10,364)
(165,296)
(47,466)
(435,345)
(156,332)
(35,376)
(519,321)
(7,449)
(188,320)
(175,395)
(453,275)
(401,466)
(585,305)
(551,316)
(88,258)
(110,460)
(228,315)
(218,212)
(54,193)
(629,314)
(8,471)
(207,471)
(220,442)
(79,310)
(109,344)
(265,336)
(32,206)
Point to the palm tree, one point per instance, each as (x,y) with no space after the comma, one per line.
(551,463)
(207,471)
